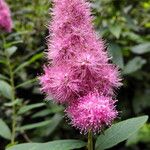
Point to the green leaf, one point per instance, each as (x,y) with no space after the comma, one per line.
(141,48)
(134,65)
(36,57)
(54,145)
(54,123)
(30,61)
(4,130)
(23,65)
(2,77)
(12,43)
(115,30)
(42,113)
(142,135)
(46,112)
(130,22)
(132,139)
(10,104)
(47,130)
(116,54)
(11,50)
(2,61)
(24,109)
(132,36)
(119,132)
(26,83)
(34,125)
(5,89)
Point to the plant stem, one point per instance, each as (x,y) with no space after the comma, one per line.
(14,116)
(90,140)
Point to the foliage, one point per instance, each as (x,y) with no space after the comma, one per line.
(114,135)
(119,132)
(125,27)
(55,145)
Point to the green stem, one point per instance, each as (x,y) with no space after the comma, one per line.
(90,141)
(14,116)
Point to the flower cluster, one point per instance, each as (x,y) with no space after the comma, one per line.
(80,74)
(5,17)
(92,112)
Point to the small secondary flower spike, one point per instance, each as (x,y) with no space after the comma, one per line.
(92,112)
(79,65)
(5,17)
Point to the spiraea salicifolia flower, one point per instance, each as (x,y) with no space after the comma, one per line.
(92,112)
(79,65)
(5,17)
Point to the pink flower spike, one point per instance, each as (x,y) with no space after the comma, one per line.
(80,66)
(5,17)
(92,112)
(72,32)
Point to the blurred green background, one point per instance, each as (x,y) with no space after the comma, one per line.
(123,24)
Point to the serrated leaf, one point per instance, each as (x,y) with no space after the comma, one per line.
(134,65)
(116,54)
(119,132)
(4,130)
(54,145)
(5,89)
(141,48)
(30,107)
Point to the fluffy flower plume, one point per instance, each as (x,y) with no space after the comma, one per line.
(80,65)
(72,32)
(92,112)
(5,17)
